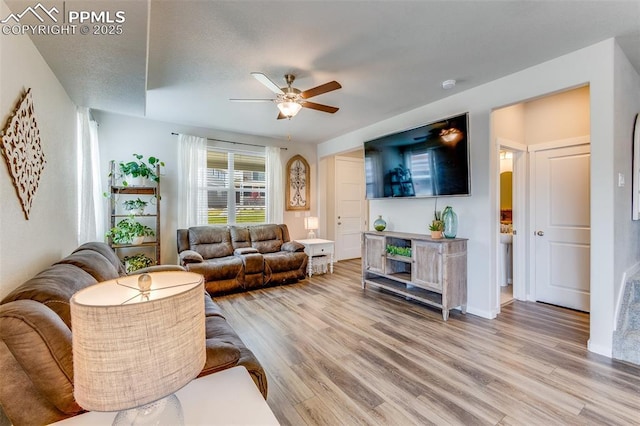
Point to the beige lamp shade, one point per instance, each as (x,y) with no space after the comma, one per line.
(130,349)
(311,222)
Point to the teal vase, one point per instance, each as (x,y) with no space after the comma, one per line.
(379,224)
(450,219)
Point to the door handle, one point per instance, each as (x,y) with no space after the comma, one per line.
(540,233)
(339,223)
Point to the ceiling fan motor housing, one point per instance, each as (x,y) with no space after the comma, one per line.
(292,98)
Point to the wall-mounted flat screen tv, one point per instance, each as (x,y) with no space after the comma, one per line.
(428,161)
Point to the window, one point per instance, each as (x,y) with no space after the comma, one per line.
(236,187)
(419,162)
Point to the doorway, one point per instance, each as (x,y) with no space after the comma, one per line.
(350,206)
(512,207)
(545,256)
(505,269)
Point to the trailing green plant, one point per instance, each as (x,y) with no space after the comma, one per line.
(127,229)
(436,225)
(140,168)
(137,261)
(399,251)
(137,204)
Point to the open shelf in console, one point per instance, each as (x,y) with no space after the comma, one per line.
(407,290)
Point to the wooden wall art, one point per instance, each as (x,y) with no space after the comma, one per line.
(297,190)
(22,150)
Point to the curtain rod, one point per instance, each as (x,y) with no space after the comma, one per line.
(235,143)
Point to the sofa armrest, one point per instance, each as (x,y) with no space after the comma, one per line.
(220,356)
(41,343)
(190,256)
(292,246)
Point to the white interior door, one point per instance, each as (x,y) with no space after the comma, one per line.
(350,206)
(561,226)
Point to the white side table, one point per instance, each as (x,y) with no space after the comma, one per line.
(317,247)
(228,397)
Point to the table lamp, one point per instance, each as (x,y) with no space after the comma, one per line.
(311,224)
(136,341)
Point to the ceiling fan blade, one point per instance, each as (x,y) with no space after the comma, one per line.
(281,116)
(252,100)
(320,107)
(267,82)
(319,90)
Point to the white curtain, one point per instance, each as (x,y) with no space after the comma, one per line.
(91,203)
(192,181)
(275,185)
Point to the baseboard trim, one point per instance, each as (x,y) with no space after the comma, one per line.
(481,312)
(599,349)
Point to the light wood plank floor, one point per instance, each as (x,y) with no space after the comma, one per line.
(338,355)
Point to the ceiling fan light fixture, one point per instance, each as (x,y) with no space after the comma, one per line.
(289,108)
(451,135)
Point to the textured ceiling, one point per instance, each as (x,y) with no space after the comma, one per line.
(389,56)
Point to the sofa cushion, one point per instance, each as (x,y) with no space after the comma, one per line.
(266,238)
(210,241)
(223,268)
(244,251)
(211,308)
(220,355)
(240,236)
(292,246)
(92,262)
(54,287)
(107,252)
(284,261)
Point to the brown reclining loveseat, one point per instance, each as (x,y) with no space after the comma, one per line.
(238,258)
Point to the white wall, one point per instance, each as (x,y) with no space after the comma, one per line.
(28,246)
(626,231)
(560,116)
(508,123)
(593,65)
(120,136)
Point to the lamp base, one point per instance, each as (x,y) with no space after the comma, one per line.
(312,235)
(165,411)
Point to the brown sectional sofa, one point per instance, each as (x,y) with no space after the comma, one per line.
(240,258)
(36,379)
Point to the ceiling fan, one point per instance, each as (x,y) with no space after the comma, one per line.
(291,100)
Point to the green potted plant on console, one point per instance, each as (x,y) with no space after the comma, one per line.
(437,226)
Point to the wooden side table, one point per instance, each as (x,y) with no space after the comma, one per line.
(228,397)
(318,247)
